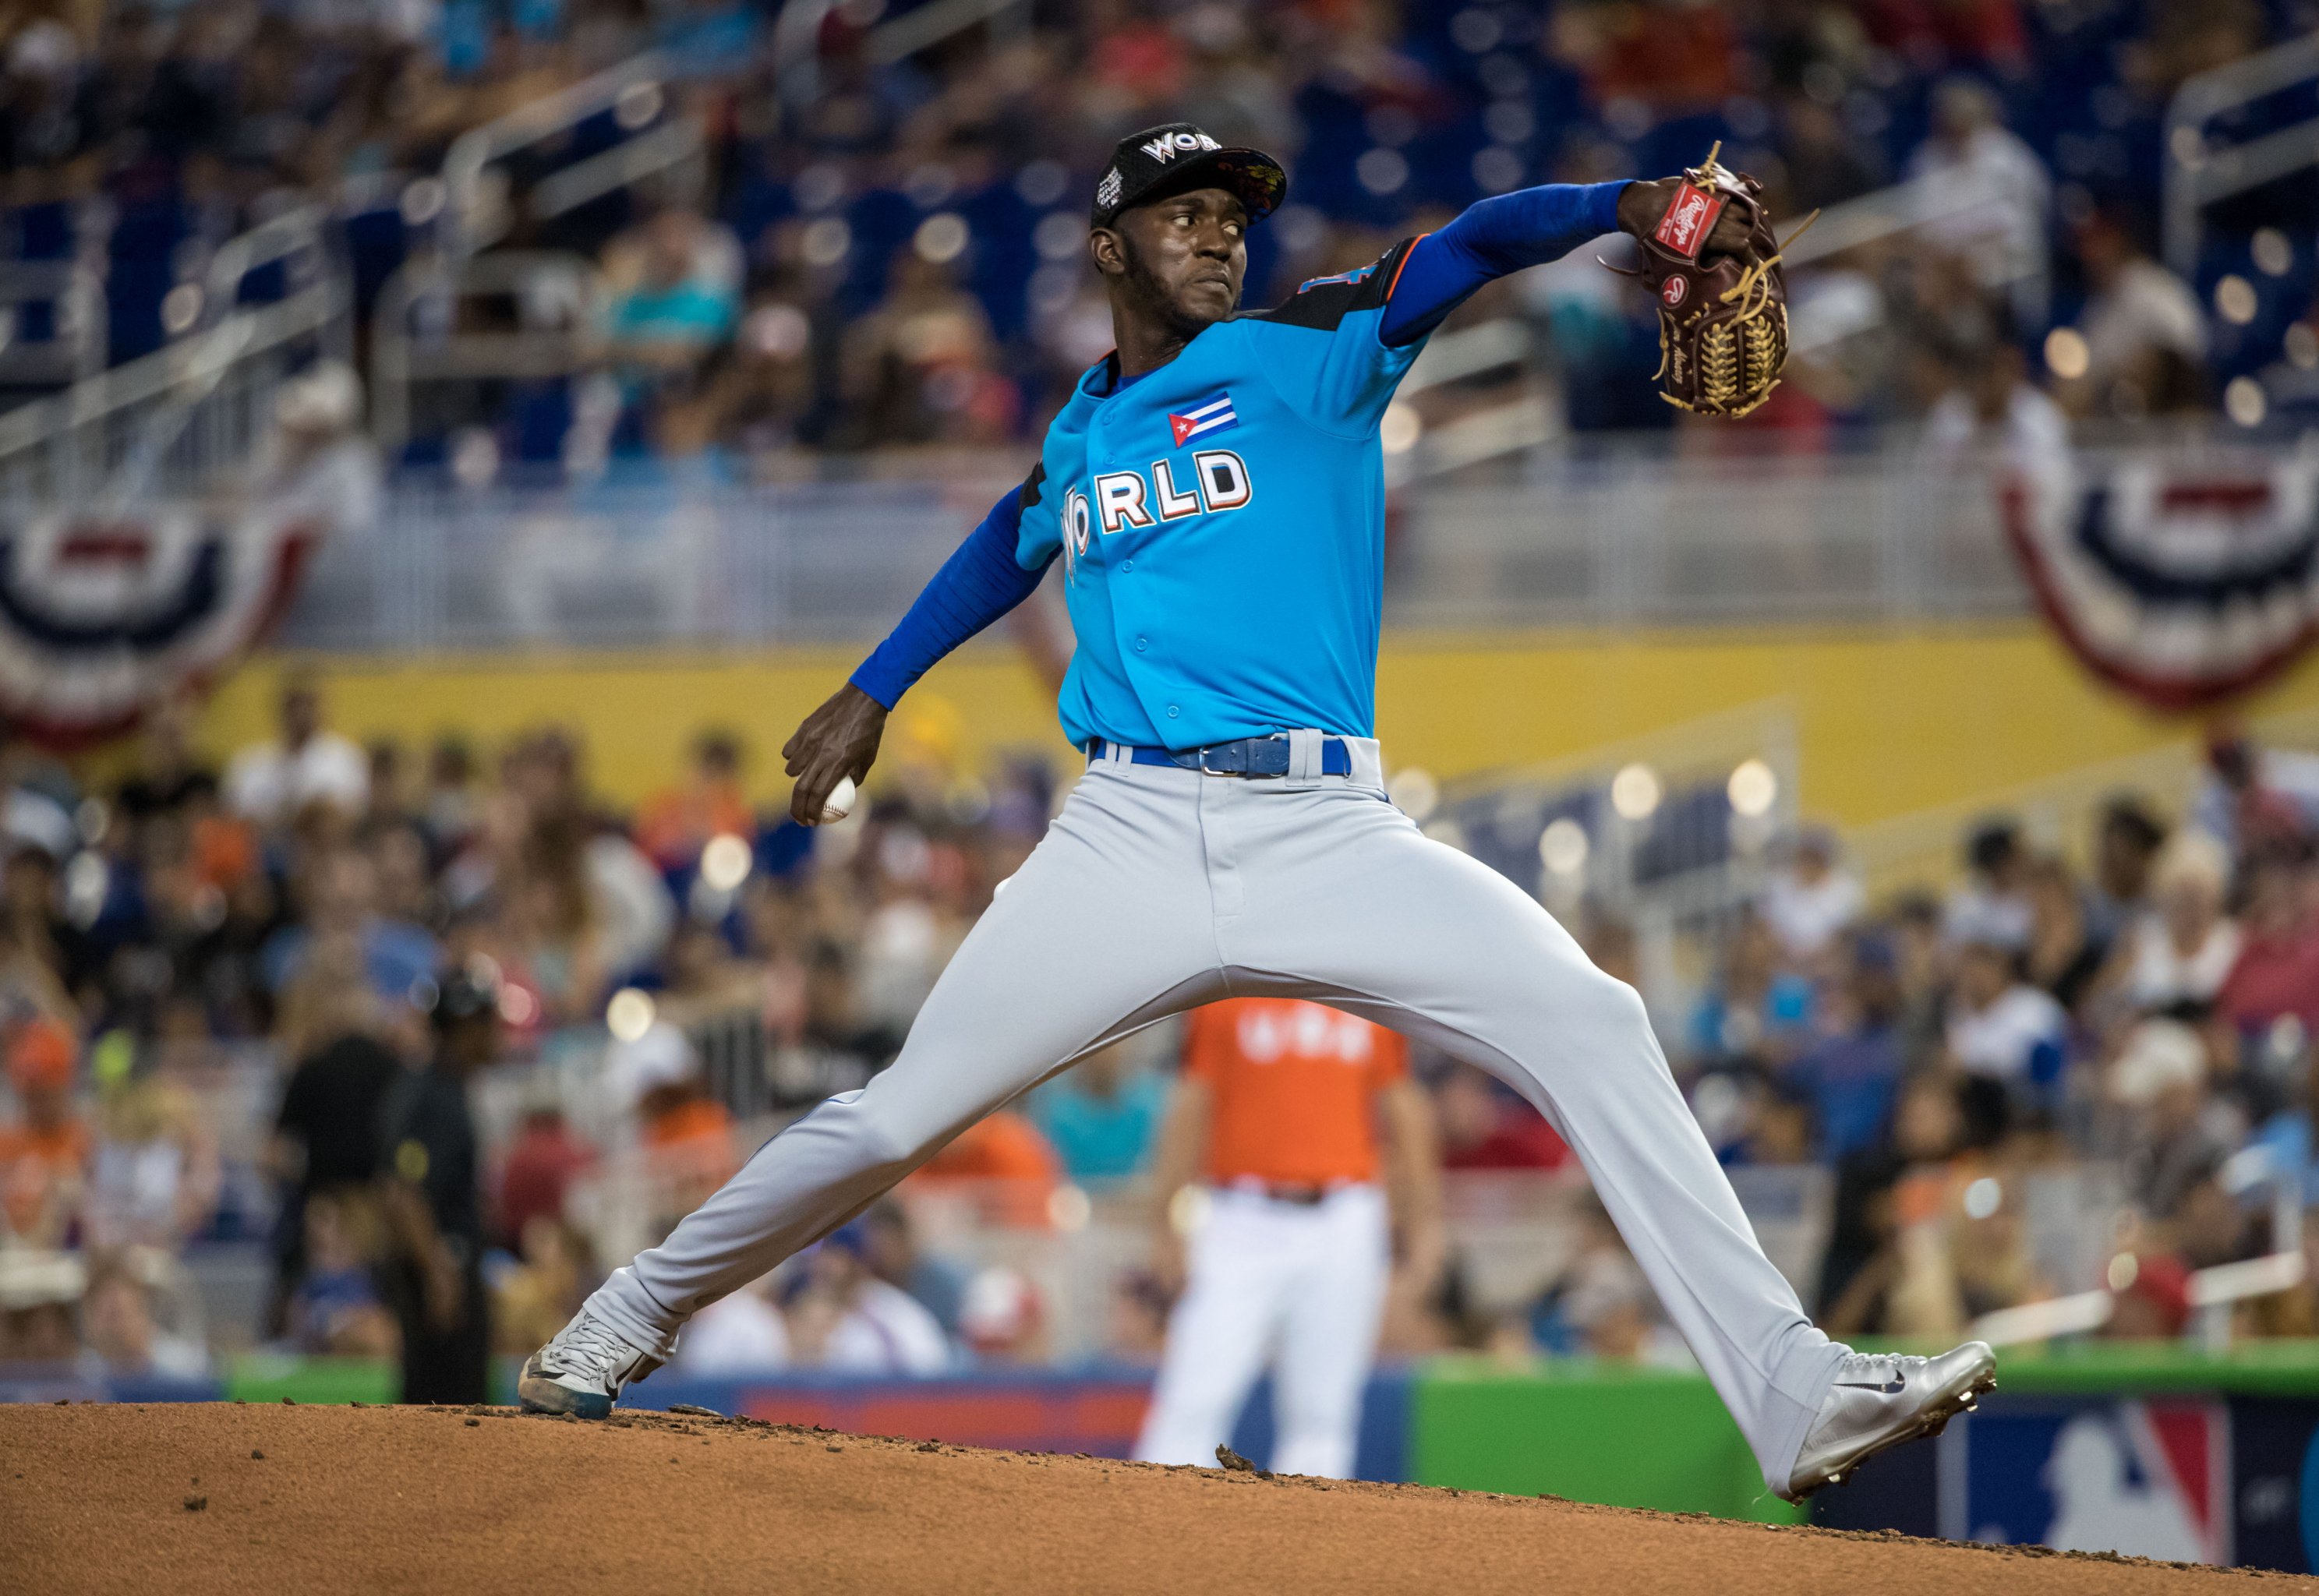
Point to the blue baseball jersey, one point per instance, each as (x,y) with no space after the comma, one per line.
(1221,523)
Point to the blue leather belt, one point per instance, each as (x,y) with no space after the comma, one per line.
(1252,757)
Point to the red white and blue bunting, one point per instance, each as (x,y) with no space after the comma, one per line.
(2183,584)
(103,619)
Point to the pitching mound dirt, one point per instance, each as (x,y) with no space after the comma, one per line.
(228,1498)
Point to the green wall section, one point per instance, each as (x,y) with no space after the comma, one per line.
(1642,1437)
(1592,1432)
(2286,1368)
(270,1377)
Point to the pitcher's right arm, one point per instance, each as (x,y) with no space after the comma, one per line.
(978,584)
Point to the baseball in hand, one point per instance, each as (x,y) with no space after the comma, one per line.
(839,804)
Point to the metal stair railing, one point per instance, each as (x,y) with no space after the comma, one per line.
(477,212)
(479,207)
(170,425)
(634,90)
(175,418)
(2196,174)
(796,36)
(1900,208)
(301,231)
(401,360)
(77,350)
(2214,1292)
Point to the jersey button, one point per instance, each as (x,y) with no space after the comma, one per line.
(1125,565)
(1173,712)
(1142,644)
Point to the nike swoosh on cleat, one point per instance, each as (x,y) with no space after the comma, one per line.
(1889,1388)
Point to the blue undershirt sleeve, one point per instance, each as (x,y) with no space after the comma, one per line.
(981,582)
(1526,228)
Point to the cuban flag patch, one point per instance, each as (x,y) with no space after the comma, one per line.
(1212,414)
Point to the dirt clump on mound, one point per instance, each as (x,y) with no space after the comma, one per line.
(226,1497)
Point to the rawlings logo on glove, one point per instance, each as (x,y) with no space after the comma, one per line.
(1723,319)
(1688,222)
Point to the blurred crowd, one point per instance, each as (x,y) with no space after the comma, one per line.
(876,252)
(2148,1010)
(441,1037)
(266,1003)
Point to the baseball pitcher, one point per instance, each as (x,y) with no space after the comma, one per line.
(1214,491)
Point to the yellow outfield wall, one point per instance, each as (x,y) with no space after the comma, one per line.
(1888,721)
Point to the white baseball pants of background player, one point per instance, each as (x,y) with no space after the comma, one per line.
(1158,889)
(1295,1285)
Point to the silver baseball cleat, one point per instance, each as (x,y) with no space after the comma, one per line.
(582,1371)
(1879,1400)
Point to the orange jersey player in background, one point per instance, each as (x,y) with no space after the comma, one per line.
(1293,1118)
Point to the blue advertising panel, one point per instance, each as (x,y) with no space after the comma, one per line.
(2158,1451)
(1096,1411)
(2274,1456)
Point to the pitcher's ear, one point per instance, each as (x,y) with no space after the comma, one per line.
(1109,251)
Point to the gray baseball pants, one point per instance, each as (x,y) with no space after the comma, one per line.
(1158,889)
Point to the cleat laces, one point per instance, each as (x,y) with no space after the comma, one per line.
(588,1347)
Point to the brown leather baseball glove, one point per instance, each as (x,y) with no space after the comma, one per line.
(1711,260)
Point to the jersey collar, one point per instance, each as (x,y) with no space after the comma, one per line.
(1100,381)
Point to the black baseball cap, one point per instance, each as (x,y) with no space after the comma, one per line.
(1175,157)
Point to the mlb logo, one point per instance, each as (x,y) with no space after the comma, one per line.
(1212,415)
(2144,1478)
